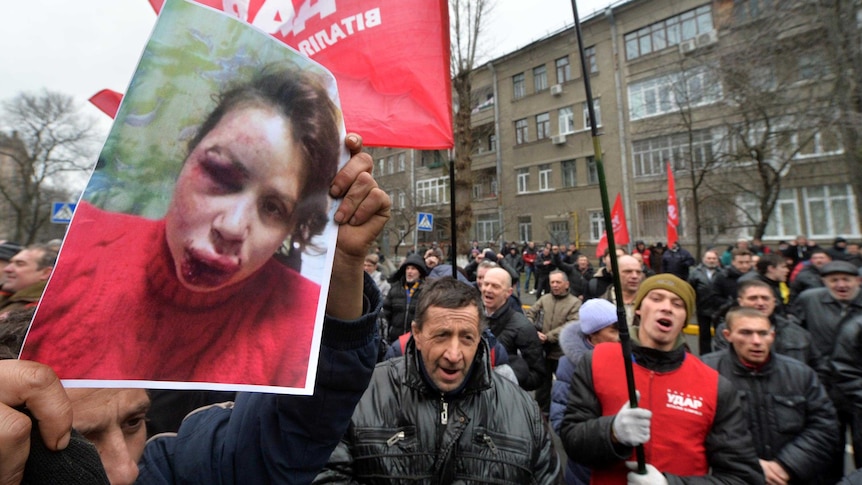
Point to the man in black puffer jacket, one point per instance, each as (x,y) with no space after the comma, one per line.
(788,411)
(439,414)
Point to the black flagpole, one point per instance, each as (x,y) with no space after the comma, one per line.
(622,323)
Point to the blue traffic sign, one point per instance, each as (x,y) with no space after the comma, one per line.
(425,221)
(61,212)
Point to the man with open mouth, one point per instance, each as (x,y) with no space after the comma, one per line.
(689,420)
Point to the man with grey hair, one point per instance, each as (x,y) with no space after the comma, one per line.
(549,314)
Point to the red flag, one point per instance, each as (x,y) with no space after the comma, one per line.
(390,58)
(108,101)
(672,209)
(621,229)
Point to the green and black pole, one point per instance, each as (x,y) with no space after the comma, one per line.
(453,247)
(622,323)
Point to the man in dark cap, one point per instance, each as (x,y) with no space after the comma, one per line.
(690,421)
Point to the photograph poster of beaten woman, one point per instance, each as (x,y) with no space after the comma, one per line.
(199,255)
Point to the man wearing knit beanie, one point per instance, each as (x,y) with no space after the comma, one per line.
(689,418)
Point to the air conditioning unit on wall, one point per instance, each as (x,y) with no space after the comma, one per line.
(707,38)
(557,89)
(687,46)
(558,139)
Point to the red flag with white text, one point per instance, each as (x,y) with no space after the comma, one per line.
(389,57)
(621,229)
(672,209)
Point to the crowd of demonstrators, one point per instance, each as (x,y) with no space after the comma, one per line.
(790,415)
(549,315)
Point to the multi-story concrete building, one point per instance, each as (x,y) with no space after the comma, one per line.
(737,102)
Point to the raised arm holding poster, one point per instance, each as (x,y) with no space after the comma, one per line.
(198,252)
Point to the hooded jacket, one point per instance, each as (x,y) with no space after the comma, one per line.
(404,429)
(400,303)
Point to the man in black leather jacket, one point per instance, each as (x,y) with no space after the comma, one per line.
(439,414)
(789,413)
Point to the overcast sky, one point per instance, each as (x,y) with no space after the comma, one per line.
(80,47)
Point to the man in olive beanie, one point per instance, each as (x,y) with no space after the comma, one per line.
(689,419)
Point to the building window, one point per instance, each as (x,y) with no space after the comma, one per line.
(818,143)
(597,225)
(487,227)
(523,180)
(592,171)
(830,210)
(597,107)
(566,120)
(522,131)
(432,191)
(477,191)
(590,56)
(745,10)
(402,199)
(390,164)
(519,85)
(564,69)
(540,78)
(784,222)
(811,67)
(559,232)
(652,219)
(392,199)
(543,126)
(668,93)
(650,156)
(381,166)
(567,167)
(492,142)
(402,162)
(668,32)
(545,177)
(525,229)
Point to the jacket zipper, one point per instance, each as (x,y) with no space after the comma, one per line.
(488,441)
(444,412)
(395,438)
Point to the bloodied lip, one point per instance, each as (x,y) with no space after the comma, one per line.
(201,269)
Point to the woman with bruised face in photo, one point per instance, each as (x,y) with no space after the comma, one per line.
(202,295)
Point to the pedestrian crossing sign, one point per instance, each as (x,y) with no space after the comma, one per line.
(425,221)
(61,212)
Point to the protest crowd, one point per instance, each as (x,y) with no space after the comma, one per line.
(432,379)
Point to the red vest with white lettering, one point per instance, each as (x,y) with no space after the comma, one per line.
(683,405)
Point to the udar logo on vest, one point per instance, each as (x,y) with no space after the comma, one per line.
(684,402)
